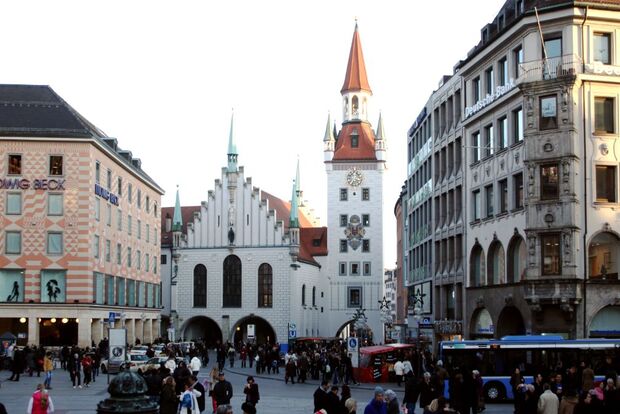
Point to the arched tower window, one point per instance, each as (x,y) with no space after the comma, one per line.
(200,286)
(346,107)
(516,259)
(265,286)
(364,107)
(476,268)
(496,264)
(232,282)
(303,295)
(313,295)
(355,106)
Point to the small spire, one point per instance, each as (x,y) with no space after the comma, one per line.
(297,180)
(329,136)
(335,131)
(294,219)
(380,132)
(232,148)
(177,218)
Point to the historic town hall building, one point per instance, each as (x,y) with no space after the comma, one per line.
(246,264)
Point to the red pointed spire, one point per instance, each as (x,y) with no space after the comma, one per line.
(356,79)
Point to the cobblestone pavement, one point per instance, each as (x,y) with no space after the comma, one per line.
(276,396)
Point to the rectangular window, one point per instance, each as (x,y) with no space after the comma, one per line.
(517,55)
(344,194)
(119,220)
(147,263)
(139,198)
(489,141)
(119,254)
(355,269)
(365,245)
(107,251)
(139,229)
(129,191)
(109,180)
(53,286)
(129,257)
(502,133)
(15,164)
(155,266)
(119,186)
(553,47)
(476,89)
(475,205)
(55,203)
(604,115)
(141,294)
(343,245)
(129,225)
(344,220)
(517,123)
(108,214)
(366,269)
(548,112)
(342,269)
(551,254)
(503,71)
(490,201)
(549,182)
(606,184)
(97,209)
(476,147)
(13,203)
(97,172)
(490,80)
(109,288)
(131,292)
(503,196)
(163,259)
(354,140)
(54,243)
(518,190)
(55,165)
(148,233)
(602,48)
(354,297)
(148,204)
(96,246)
(366,220)
(138,260)
(120,291)
(99,287)
(365,194)
(13,242)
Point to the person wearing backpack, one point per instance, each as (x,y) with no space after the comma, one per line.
(40,402)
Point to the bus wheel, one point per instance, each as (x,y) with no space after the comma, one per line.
(494,391)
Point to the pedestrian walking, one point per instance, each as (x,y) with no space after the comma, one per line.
(197,386)
(412,391)
(351,406)
(168,400)
(548,402)
(399,371)
(48,367)
(74,365)
(392,402)
(248,408)
(290,371)
(195,365)
(222,391)
(320,396)
(251,391)
(231,356)
(188,403)
(377,405)
(17,364)
(40,402)
(87,368)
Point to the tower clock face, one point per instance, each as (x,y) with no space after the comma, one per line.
(355,177)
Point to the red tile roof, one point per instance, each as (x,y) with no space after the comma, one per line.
(187,214)
(355,79)
(365,149)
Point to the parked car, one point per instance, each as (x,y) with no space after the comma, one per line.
(156,362)
(139,350)
(135,363)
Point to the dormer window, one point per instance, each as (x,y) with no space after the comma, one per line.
(485,35)
(500,22)
(354,139)
(519,7)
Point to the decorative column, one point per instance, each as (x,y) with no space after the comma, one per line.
(33,330)
(84,333)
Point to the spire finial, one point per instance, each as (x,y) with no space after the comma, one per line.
(329,136)
(177,218)
(294,218)
(232,148)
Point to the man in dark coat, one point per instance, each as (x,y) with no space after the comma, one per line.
(412,391)
(222,391)
(201,389)
(320,397)
(334,406)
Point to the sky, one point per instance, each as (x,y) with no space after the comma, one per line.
(164,76)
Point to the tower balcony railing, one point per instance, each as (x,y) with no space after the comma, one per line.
(550,68)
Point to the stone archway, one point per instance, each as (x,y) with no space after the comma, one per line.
(347,330)
(496,266)
(606,323)
(603,251)
(510,322)
(263,331)
(481,325)
(202,328)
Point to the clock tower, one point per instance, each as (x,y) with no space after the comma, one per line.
(355,161)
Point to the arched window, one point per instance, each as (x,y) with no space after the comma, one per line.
(603,254)
(265,286)
(346,107)
(303,295)
(355,106)
(516,259)
(232,282)
(496,265)
(313,295)
(200,286)
(476,268)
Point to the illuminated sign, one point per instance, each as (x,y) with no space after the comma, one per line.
(24,184)
(106,195)
(490,98)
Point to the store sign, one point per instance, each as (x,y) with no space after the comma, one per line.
(24,184)
(490,98)
(600,69)
(106,195)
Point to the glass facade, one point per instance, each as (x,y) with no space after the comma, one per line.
(53,286)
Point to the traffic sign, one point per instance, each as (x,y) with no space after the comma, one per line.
(353,344)
(112,317)
(292,333)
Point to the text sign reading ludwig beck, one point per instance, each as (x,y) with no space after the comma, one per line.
(38,184)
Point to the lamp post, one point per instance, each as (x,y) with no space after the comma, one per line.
(416,301)
(386,318)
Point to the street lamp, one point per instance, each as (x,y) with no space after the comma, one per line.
(386,318)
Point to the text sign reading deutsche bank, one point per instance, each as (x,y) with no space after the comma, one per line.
(490,98)
(106,195)
(24,184)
